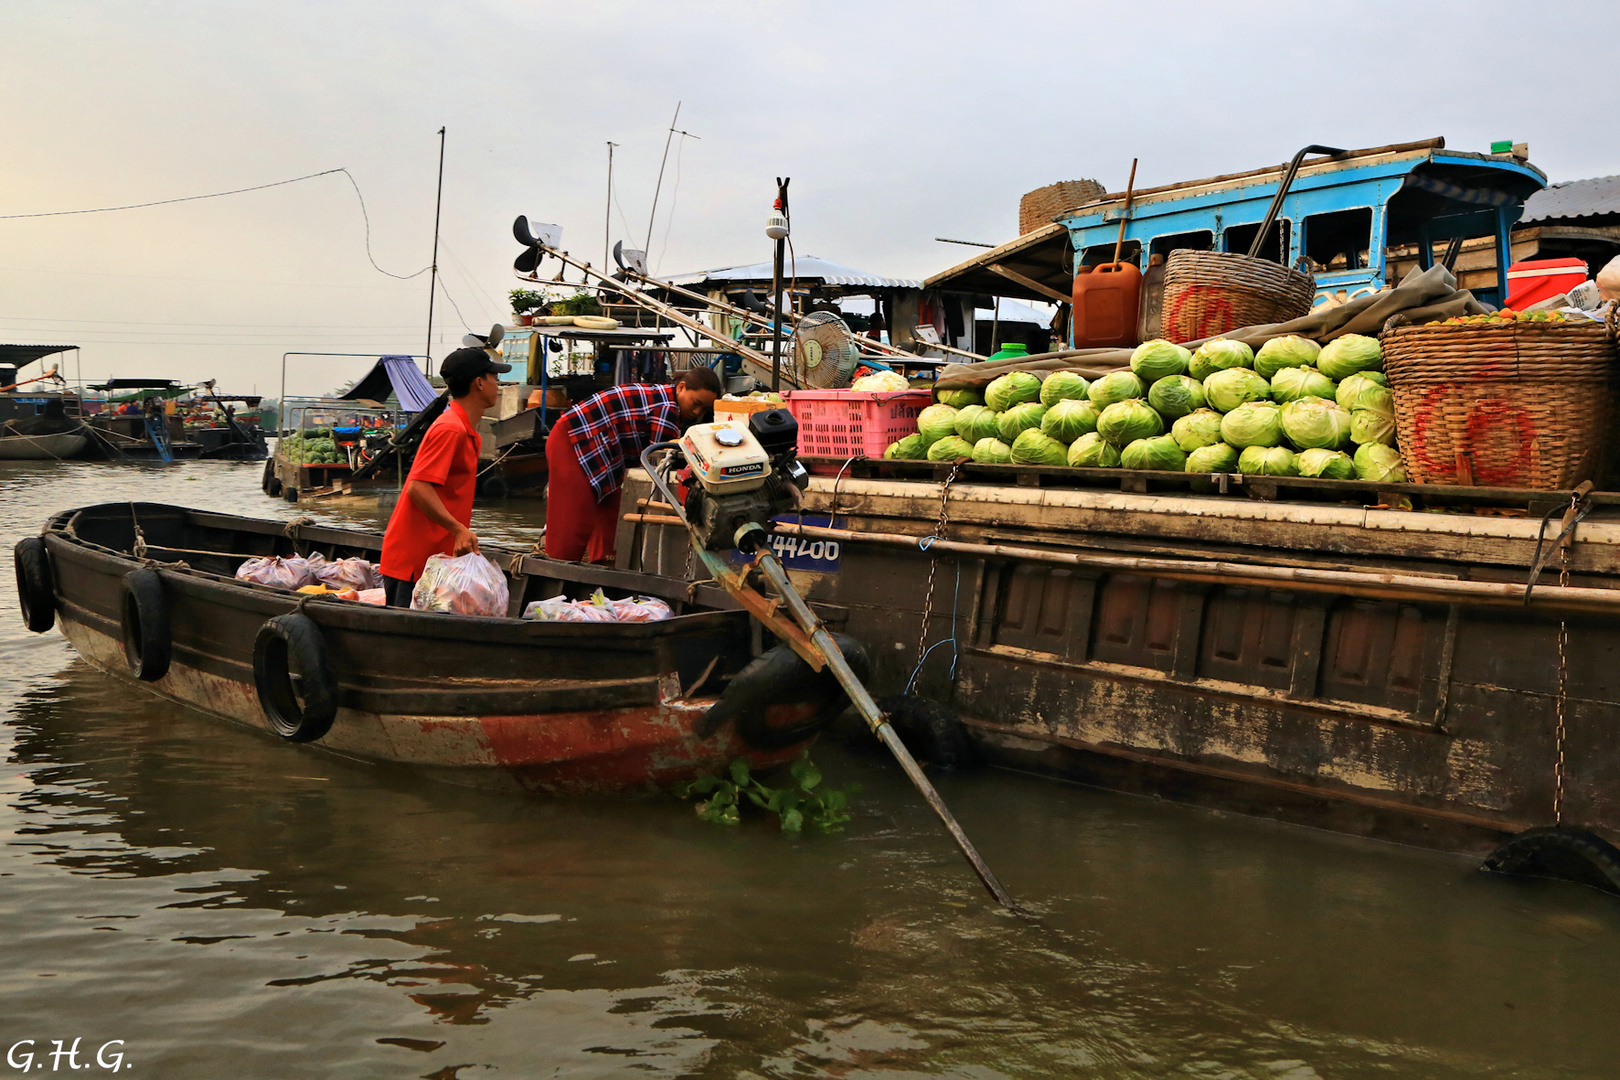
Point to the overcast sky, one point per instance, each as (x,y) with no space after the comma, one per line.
(897,121)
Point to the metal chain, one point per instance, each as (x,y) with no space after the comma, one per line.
(1563,688)
(925,543)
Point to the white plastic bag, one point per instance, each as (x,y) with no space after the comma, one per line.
(462,585)
(562,609)
(355,573)
(273,570)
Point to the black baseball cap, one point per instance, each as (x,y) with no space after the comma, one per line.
(469,364)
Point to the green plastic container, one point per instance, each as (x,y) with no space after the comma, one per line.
(1010,351)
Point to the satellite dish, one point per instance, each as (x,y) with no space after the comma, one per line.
(629,258)
(534,238)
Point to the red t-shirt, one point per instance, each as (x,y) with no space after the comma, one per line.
(448,459)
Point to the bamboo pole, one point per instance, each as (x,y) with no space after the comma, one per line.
(1380,585)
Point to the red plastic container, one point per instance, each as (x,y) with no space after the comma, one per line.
(1106,299)
(845,424)
(1535,280)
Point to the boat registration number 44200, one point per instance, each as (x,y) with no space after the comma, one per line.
(802,552)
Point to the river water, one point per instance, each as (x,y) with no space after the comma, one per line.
(208,902)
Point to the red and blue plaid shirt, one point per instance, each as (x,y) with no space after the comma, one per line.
(615,426)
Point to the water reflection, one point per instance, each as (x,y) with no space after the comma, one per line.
(222,900)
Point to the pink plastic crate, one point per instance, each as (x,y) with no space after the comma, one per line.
(854,423)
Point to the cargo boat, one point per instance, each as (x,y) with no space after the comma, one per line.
(147,592)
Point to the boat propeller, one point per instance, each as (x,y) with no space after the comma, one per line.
(549,236)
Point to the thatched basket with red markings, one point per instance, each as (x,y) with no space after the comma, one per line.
(1207,293)
(1502,404)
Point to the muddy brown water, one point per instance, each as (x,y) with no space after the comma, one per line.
(209,902)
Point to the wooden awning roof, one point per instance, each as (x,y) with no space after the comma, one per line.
(1036,266)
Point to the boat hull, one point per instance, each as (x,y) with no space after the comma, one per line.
(53,447)
(566,708)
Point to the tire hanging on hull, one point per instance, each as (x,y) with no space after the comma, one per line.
(144,620)
(1562,852)
(287,645)
(778,681)
(35,593)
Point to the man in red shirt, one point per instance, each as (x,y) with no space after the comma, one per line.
(595,441)
(435,509)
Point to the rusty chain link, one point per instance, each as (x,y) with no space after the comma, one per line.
(925,543)
(1559,702)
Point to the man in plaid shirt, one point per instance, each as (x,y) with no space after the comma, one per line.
(595,441)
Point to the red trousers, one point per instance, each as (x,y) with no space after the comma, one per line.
(577,526)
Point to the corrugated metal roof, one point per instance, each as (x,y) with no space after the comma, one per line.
(1597,197)
(807,268)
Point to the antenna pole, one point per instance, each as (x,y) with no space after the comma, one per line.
(607,215)
(776,290)
(433,280)
(647,246)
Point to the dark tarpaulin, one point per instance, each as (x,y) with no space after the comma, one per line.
(21,355)
(1423,296)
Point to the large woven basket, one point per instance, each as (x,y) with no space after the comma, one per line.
(1512,404)
(1043,205)
(1207,293)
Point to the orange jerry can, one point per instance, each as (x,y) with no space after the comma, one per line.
(1105,305)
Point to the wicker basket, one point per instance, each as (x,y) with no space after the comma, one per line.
(1513,404)
(1043,205)
(1207,293)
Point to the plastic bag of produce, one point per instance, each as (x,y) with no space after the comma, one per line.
(273,570)
(562,609)
(1063,386)
(461,585)
(374,596)
(634,608)
(354,573)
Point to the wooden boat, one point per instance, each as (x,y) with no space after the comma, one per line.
(52,446)
(147,592)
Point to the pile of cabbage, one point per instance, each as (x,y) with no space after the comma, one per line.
(1294,408)
(314,446)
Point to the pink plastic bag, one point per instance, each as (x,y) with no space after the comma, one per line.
(562,609)
(638,609)
(355,573)
(273,570)
(462,585)
(374,596)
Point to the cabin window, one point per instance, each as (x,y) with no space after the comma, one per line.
(1279,237)
(1341,240)
(1130,251)
(1202,240)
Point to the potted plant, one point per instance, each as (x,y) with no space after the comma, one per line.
(524,303)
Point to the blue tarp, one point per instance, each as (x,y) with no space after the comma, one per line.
(399,374)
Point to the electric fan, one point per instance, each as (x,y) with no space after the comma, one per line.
(825,353)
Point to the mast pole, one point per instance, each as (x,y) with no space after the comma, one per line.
(433,279)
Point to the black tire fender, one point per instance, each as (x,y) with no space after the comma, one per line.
(144,619)
(271,483)
(930,731)
(35,594)
(1559,851)
(776,679)
(287,644)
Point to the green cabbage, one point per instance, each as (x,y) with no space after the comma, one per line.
(1219,354)
(1090,452)
(1293,383)
(1285,352)
(1216,457)
(1159,452)
(910,448)
(1019,418)
(1127,421)
(1326,464)
(992,451)
(1062,385)
(1200,428)
(983,424)
(1268,461)
(959,399)
(964,420)
(1033,448)
(1351,388)
(936,422)
(1155,360)
(1343,357)
(1008,390)
(1115,386)
(950,448)
(1373,418)
(1257,423)
(1226,390)
(1380,464)
(1176,395)
(1069,419)
(1316,422)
